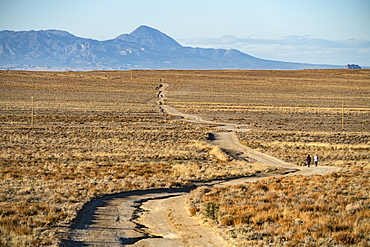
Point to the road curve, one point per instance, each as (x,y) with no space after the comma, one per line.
(158,217)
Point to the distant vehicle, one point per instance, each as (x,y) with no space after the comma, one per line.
(352,66)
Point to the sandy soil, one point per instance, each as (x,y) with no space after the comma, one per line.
(159,217)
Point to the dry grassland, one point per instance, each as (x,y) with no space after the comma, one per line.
(291,114)
(329,210)
(334,149)
(278,100)
(96,133)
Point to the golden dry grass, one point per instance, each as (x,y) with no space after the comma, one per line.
(277,100)
(100,132)
(335,149)
(329,210)
(60,168)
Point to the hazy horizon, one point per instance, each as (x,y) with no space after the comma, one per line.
(320,32)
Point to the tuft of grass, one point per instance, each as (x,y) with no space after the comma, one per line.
(219,154)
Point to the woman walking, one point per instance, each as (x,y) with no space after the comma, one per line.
(316,159)
(308,160)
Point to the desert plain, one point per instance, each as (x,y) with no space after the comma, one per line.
(69,137)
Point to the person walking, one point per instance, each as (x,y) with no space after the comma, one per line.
(316,160)
(308,160)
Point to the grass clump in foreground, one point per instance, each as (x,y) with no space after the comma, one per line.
(329,210)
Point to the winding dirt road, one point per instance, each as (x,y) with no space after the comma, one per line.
(158,217)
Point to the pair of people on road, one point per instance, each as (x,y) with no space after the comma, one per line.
(315,160)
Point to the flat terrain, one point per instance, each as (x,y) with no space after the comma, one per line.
(160,217)
(98,133)
(277,100)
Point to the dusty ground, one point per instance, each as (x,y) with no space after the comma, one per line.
(98,133)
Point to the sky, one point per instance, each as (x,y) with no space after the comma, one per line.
(312,31)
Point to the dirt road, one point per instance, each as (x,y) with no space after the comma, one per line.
(159,217)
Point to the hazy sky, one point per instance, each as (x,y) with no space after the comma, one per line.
(189,20)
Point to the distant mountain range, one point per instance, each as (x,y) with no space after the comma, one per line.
(144,48)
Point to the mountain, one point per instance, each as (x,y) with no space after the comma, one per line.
(144,48)
(147,36)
